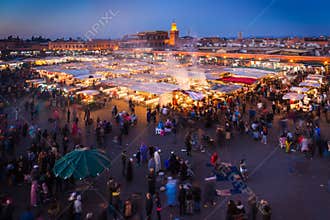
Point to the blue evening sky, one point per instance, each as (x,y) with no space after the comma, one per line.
(72,18)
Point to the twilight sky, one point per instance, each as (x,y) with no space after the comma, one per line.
(72,18)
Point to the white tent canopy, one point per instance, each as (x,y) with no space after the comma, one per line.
(310,84)
(196,96)
(299,89)
(89,92)
(92,76)
(249,72)
(315,77)
(293,96)
(155,88)
(150,87)
(226,88)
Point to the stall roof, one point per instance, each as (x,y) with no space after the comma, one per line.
(155,88)
(249,72)
(241,80)
(124,82)
(315,77)
(293,96)
(35,81)
(77,72)
(89,92)
(226,88)
(119,71)
(90,76)
(212,76)
(310,84)
(149,76)
(299,89)
(197,96)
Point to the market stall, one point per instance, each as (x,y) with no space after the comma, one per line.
(187,99)
(295,100)
(88,97)
(152,94)
(146,93)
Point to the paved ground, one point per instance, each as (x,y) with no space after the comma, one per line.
(296,188)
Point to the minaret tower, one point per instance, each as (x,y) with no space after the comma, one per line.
(174,34)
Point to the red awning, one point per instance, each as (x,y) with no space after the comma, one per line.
(244,80)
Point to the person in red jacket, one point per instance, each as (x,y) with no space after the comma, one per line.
(214,158)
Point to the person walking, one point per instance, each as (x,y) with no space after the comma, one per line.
(74,118)
(77,208)
(158,205)
(231,210)
(240,209)
(182,200)
(33,194)
(123,161)
(148,116)
(274,107)
(129,170)
(158,164)
(264,133)
(149,206)
(114,110)
(128,208)
(187,142)
(197,198)
(253,209)
(151,182)
(266,211)
(189,201)
(171,191)
(87,116)
(110,189)
(138,158)
(68,114)
(116,201)
(209,195)
(16,114)
(7,212)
